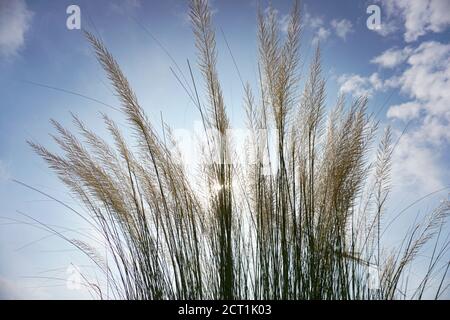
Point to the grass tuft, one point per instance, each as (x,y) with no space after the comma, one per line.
(303,222)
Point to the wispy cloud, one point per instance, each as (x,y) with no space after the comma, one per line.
(392,57)
(15,20)
(321,35)
(317,26)
(311,21)
(322,31)
(342,27)
(416,17)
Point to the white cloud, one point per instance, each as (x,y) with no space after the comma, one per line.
(315,22)
(342,27)
(435,130)
(418,17)
(387,27)
(426,81)
(376,82)
(405,111)
(427,77)
(310,21)
(321,35)
(423,76)
(357,85)
(321,31)
(15,19)
(316,25)
(354,84)
(416,166)
(392,57)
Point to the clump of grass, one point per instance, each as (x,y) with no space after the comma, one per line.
(308,229)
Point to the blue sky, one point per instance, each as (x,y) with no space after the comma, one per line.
(404,68)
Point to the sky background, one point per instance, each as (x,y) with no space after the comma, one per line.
(404,68)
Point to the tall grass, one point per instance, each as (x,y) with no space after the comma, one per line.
(303,222)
